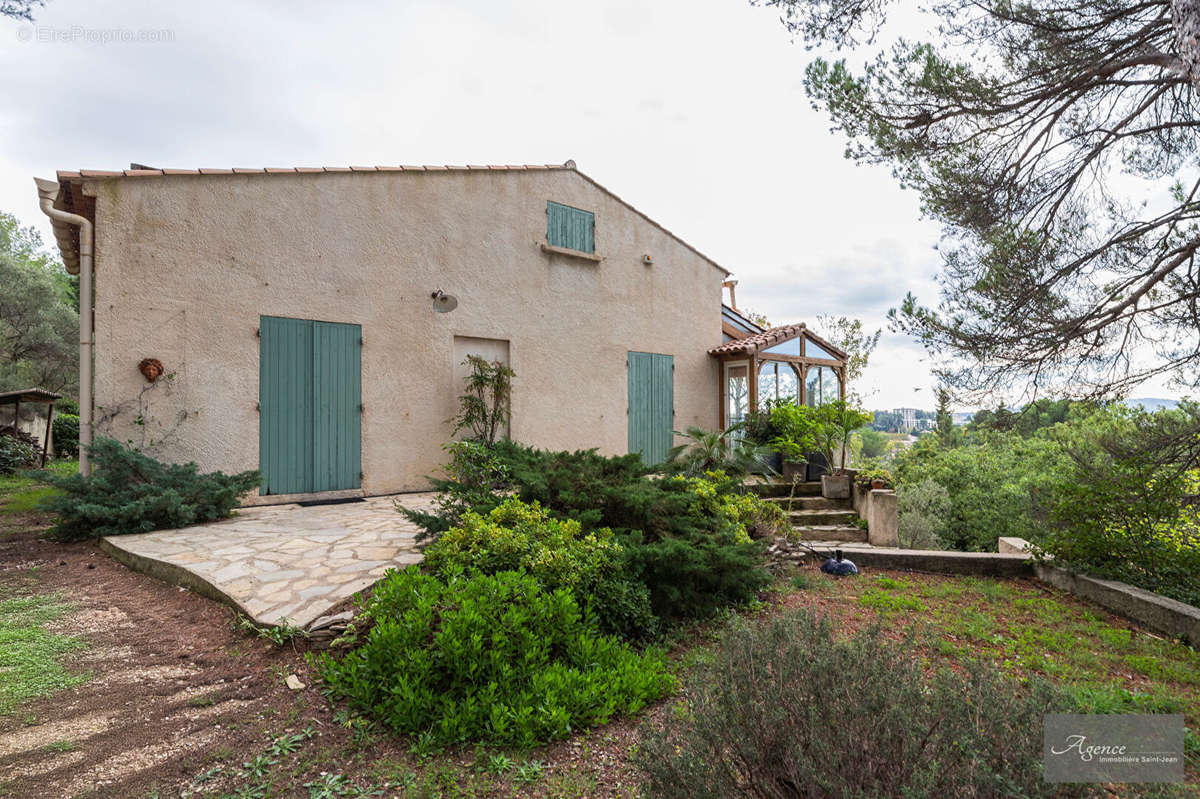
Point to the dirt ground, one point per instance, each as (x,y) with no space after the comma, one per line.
(178,693)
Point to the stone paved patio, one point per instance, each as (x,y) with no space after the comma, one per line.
(281,561)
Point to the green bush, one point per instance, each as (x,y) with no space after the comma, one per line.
(488,658)
(18,450)
(922,509)
(997,485)
(787,708)
(66,435)
(692,558)
(474,477)
(129,492)
(795,428)
(1120,506)
(516,536)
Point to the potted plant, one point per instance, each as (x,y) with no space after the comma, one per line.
(873,476)
(758,430)
(835,422)
(795,436)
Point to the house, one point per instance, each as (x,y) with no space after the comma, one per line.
(312,322)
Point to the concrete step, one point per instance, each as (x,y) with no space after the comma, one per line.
(804,518)
(811,503)
(780,489)
(844,533)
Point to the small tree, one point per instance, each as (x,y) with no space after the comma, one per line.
(484,409)
(943,420)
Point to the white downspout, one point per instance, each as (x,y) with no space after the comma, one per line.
(47,193)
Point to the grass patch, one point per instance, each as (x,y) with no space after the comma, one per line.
(22,493)
(1107,665)
(30,656)
(889,602)
(62,745)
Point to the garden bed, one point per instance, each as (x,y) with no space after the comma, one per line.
(177,699)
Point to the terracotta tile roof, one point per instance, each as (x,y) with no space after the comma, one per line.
(769,338)
(71,234)
(79,174)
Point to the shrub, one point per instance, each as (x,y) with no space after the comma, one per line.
(997,485)
(785,708)
(692,558)
(922,509)
(18,450)
(488,658)
(483,410)
(795,431)
(680,540)
(66,435)
(129,492)
(474,476)
(516,536)
(1119,504)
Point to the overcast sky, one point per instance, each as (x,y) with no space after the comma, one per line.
(694,111)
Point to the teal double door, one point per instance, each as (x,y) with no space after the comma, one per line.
(651,405)
(310,404)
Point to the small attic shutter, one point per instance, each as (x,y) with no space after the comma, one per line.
(572,228)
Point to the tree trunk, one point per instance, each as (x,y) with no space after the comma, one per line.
(1185,16)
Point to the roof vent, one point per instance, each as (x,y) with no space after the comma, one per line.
(570,163)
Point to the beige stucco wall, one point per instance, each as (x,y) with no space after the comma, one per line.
(185,265)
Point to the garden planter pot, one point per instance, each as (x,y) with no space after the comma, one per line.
(876,484)
(794,472)
(835,486)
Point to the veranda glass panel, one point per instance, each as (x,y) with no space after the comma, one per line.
(786,347)
(814,350)
(737,393)
(777,383)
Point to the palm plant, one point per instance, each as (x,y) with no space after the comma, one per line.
(717,450)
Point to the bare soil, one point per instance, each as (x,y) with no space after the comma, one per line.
(178,689)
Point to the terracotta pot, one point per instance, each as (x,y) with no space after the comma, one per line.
(835,486)
(877,484)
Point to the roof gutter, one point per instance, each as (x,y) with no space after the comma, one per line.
(47,194)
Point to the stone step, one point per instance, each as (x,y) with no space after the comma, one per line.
(844,533)
(811,503)
(804,518)
(780,489)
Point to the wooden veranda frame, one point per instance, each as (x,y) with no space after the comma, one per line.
(753,349)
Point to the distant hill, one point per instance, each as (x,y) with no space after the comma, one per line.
(1152,403)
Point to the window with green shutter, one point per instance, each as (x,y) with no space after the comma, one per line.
(570,228)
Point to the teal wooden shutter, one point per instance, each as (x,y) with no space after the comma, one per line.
(337,406)
(285,405)
(572,228)
(651,384)
(310,395)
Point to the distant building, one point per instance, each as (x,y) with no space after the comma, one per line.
(908,419)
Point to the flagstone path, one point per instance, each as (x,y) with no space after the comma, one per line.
(281,562)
